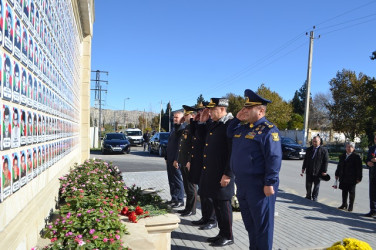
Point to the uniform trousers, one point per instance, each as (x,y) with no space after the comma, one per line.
(223,212)
(372,194)
(190,191)
(258,214)
(175,182)
(315,180)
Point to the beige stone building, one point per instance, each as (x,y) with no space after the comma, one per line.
(49,43)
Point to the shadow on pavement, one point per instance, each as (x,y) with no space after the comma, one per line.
(353,220)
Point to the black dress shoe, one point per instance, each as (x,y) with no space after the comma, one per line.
(182,211)
(370,214)
(222,242)
(170,202)
(208,226)
(213,239)
(188,213)
(199,222)
(177,204)
(343,207)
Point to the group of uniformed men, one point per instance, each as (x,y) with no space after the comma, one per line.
(210,148)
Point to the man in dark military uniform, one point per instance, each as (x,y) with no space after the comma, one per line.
(256,161)
(208,220)
(174,175)
(183,162)
(217,180)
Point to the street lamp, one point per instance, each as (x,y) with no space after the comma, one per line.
(124,110)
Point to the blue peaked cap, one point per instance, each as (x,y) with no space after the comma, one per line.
(252,99)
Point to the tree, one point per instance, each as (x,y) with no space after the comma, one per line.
(141,122)
(200,99)
(235,103)
(296,122)
(279,111)
(155,123)
(373,56)
(166,118)
(298,101)
(319,113)
(350,99)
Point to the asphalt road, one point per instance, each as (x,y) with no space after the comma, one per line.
(290,179)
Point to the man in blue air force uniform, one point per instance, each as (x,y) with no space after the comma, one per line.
(256,161)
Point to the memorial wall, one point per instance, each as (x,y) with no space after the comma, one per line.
(45,48)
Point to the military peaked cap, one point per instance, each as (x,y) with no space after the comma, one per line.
(217,102)
(188,110)
(252,99)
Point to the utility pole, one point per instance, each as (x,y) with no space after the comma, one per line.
(98,96)
(160,118)
(308,87)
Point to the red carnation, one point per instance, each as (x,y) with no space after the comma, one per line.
(132,217)
(124,211)
(139,210)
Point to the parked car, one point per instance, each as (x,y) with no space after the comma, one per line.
(291,149)
(134,135)
(115,142)
(158,143)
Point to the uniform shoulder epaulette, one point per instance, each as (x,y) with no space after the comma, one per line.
(269,125)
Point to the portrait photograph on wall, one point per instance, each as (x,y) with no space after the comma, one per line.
(16,177)
(23,128)
(25,12)
(7,126)
(8,28)
(16,82)
(29,99)
(18,26)
(30,63)
(23,167)
(36,170)
(35,127)
(1,21)
(6,176)
(7,77)
(15,136)
(29,128)
(29,164)
(25,46)
(18,7)
(24,86)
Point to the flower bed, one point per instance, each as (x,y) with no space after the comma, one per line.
(350,244)
(91,199)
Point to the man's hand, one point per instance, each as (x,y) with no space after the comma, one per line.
(323,174)
(370,164)
(240,115)
(373,159)
(225,180)
(197,117)
(204,115)
(302,172)
(175,164)
(188,166)
(268,190)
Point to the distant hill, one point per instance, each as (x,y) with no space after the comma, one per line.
(122,117)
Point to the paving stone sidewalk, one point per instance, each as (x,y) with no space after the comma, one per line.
(300,223)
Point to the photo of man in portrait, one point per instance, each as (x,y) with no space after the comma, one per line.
(7,127)
(17,38)
(24,86)
(16,82)
(7,78)
(16,172)
(8,28)
(15,136)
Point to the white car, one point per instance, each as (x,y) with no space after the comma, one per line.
(134,136)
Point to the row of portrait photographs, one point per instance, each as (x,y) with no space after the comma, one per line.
(47,30)
(22,127)
(34,56)
(20,86)
(20,167)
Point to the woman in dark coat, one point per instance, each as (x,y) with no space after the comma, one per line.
(349,173)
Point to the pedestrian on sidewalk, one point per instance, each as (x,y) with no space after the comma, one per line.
(371,163)
(183,162)
(256,161)
(217,180)
(208,219)
(315,165)
(349,173)
(175,180)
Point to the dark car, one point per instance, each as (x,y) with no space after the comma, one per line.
(158,143)
(115,142)
(291,149)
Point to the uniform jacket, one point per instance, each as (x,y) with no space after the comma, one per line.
(256,152)
(185,146)
(173,144)
(198,143)
(349,170)
(317,165)
(372,170)
(216,160)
